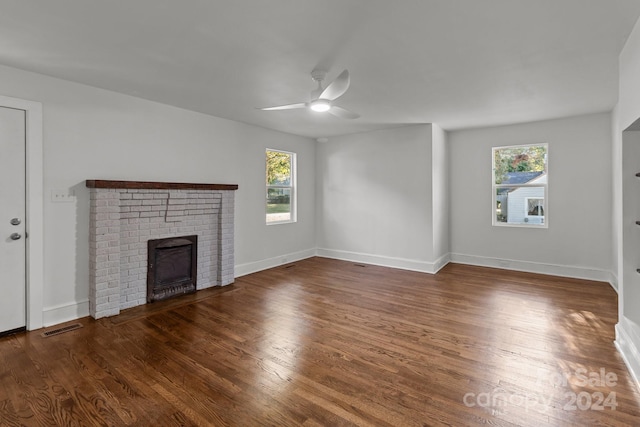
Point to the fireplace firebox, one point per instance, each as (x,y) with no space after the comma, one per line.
(172,267)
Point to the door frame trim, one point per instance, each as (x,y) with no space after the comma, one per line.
(34,205)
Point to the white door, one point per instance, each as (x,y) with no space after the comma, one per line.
(12,219)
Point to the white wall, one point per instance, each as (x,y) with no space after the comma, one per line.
(375,193)
(626,156)
(91,133)
(440,177)
(577,242)
(375,197)
(630,231)
(628,107)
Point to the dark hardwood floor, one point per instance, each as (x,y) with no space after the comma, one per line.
(326,343)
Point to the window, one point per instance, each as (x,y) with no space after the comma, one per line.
(519,189)
(280,205)
(534,206)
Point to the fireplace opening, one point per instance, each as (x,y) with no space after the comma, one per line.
(172,267)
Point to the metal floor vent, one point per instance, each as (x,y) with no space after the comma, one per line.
(62,330)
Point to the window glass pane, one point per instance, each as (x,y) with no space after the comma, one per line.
(535,207)
(520,205)
(278,168)
(278,204)
(519,165)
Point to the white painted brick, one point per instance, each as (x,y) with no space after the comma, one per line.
(153,202)
(149,214)
(101,194)
(176,207)
(129,227)
(128,240)
(207,211)
(175,219)
(101,245)
(101,272)
(138,272)
(103,293)
(130,291)
(100,224)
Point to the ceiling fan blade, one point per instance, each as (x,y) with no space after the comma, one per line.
(285,107)
(337,88)
(343,113)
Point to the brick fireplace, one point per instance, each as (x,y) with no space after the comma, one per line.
(126,215)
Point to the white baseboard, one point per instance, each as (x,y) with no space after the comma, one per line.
(613,281)
(385,261)
(65,312)
(536,267)
(253,267)
(627,342)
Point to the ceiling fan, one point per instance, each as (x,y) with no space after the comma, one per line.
(322,99)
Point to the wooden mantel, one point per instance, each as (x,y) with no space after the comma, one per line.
(147,185)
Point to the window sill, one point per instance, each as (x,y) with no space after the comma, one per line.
(507,225)
(280,222)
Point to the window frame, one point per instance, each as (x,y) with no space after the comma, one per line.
(293,198)
(544,185)
(526,207)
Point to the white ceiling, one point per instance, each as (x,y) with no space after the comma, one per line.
(458,63)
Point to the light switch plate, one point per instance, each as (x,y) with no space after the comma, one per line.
(60,196)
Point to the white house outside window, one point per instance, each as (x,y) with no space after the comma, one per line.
(520,185)
(281,190)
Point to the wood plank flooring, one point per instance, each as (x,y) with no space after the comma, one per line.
(329,343)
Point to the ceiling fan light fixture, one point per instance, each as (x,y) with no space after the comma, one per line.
(322,99)
(320,105)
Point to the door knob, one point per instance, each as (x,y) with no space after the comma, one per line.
(15,221)
(15,236)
